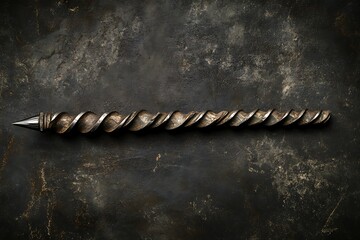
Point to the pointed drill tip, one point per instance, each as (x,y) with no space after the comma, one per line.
(31,123)
(20,123)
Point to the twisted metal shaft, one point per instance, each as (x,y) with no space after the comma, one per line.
(87,122)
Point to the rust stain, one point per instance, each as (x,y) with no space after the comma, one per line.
(5,157)
(39,189)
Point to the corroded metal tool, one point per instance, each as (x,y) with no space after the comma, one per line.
(87,122)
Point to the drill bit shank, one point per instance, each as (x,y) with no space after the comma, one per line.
(87,122)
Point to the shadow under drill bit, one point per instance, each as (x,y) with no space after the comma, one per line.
(207,131)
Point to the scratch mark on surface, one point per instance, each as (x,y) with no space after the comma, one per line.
(74,9)
(49,213)
(326,228)
(290,172)
(43,179)
(39,190)
(49,206)
(157,159)
(5,157)
(31,203)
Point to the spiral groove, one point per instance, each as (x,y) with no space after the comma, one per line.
(87,122)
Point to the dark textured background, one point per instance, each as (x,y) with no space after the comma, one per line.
(163,56)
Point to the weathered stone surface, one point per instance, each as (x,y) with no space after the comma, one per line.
(163,56)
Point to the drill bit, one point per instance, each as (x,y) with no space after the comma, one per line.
(88,122)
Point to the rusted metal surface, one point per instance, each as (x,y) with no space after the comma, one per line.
(87,122)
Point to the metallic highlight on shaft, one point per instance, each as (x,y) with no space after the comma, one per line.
(87,122)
